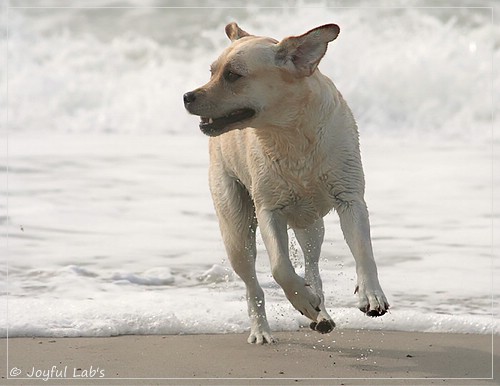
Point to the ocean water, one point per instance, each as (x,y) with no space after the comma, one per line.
(107,222)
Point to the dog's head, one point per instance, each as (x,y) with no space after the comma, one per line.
(257,81)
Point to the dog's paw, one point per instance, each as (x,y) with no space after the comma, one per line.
(372,301)
(323,326)
(261,337)
(304,300)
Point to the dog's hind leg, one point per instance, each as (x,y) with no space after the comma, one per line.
(237,221)
(310,241)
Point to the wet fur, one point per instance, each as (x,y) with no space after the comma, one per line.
(289,165)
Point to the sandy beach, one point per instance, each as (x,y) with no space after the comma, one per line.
(344,357)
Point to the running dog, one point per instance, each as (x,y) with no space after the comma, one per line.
(284,152)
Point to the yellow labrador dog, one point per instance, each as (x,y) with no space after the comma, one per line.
(284,152)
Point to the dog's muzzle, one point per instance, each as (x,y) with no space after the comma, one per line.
(219,125)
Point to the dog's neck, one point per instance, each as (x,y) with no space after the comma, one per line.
(302,136)
(289,143)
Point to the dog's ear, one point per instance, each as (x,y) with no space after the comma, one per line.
(304,52)
(234,32)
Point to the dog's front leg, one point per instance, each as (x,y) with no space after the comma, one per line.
(237,222)
(273,227)
(356,228)
(310,240)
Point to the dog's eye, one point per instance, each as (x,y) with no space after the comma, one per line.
(231,76)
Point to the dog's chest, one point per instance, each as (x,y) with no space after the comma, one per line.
(301,192)
(303,209)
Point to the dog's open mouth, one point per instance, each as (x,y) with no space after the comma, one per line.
(217,126)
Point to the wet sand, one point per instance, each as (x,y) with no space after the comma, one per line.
(343,357)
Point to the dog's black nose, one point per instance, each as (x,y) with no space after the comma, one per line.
(189,97)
